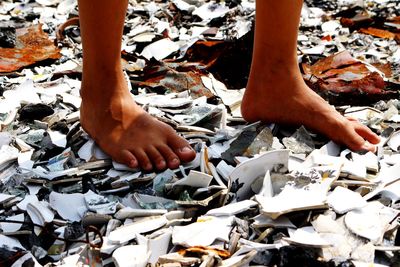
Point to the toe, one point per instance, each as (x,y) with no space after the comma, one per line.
(172,159)
(182,149)
(348,136)
(366,133)
(128,159)
(144,160)
(156,157)
(125,157)
(355,141)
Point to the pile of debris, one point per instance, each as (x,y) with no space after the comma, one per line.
(256,194)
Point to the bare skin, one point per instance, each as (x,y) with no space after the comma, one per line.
(276,91)
(108,112)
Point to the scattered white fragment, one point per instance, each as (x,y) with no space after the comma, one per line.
(211,10)
(307,237)
(157,243)
(39,213)
(204,232)
(262,220)
(12,227)
(28,199)
(86,151)
(131,256)
(128,212)
(247,172)
(343,200)
(160,49)
(371,222)
(63,203)
(195,179)
(233,208)
(394,141)
(128,232)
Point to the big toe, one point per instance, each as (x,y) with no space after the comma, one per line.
(182,149)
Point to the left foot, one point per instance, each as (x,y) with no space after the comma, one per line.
(283,97)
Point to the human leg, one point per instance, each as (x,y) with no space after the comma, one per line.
(276,91)
(108,112)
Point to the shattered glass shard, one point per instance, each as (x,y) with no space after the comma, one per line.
(32,45)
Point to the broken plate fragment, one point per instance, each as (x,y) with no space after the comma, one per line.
(343,200)
(204,232)
(247,172)
(233,208)
(371,221)
(308,190)
(128,232)
(131,256)
(307,237)
(62,203)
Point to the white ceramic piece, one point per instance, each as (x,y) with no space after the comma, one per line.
(262,220)
(371,221)
(247,172)
(12,227)
(343,200)
(39,213)
(131,256)
(128,212)
(394,141)
(62,203)
(233,208)
(128,232)
(306,237)
(156,243)
(204,232)
(195,179)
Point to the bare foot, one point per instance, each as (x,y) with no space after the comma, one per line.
(285,98)
(124,130)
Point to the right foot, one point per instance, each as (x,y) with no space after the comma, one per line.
(125,131)
(285,98)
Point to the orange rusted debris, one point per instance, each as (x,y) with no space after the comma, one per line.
(32,45)
(378,33)
(202,250)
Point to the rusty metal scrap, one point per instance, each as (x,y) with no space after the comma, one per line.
(32,45)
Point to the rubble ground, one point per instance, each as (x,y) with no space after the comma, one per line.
(255,195)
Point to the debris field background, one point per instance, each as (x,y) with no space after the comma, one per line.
(256,194)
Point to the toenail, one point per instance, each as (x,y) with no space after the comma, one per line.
(132,163)
(162,163)
(186,149)
(175,161)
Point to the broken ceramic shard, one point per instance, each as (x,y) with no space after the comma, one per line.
(371,221)
(195,179)
(204,232)
(246,173)
(309,188)
(128,232)
(232,209)
(343,200)
(131,256)
(308,237)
